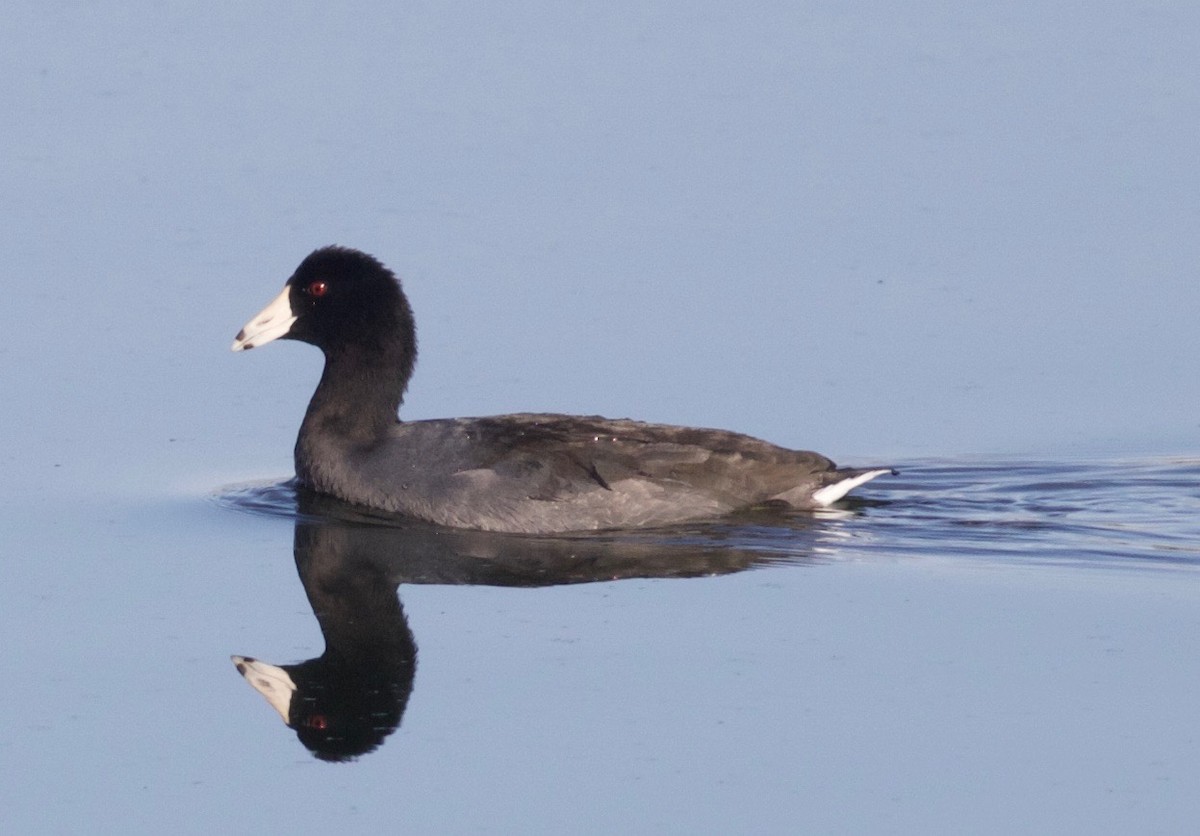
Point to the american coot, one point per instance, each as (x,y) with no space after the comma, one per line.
(525,473)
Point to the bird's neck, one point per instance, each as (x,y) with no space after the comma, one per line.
(359,394)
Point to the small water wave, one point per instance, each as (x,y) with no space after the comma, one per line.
(1123,513)
(271,499)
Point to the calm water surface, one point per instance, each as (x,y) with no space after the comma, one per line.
(959,635)
(1133,515)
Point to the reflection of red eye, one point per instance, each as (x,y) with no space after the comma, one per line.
(318,289)
(317,721)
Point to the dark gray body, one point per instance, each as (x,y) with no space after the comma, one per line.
(539,473)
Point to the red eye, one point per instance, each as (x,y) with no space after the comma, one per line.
(316,721)
(318,289)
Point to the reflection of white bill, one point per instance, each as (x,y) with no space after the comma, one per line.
(270,681)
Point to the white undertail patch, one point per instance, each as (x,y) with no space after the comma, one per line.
(830,494)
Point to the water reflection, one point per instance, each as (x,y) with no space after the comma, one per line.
(345,702)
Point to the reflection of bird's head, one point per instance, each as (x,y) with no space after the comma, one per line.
(338,712)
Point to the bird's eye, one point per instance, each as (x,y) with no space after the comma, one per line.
(318,722)
(317,289)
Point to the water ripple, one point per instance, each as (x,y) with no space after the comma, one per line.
(1062,512)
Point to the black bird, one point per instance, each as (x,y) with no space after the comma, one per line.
(525,473)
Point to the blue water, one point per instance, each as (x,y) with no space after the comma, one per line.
(1108,516)
(956,239)
(964,633)
(957,636)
